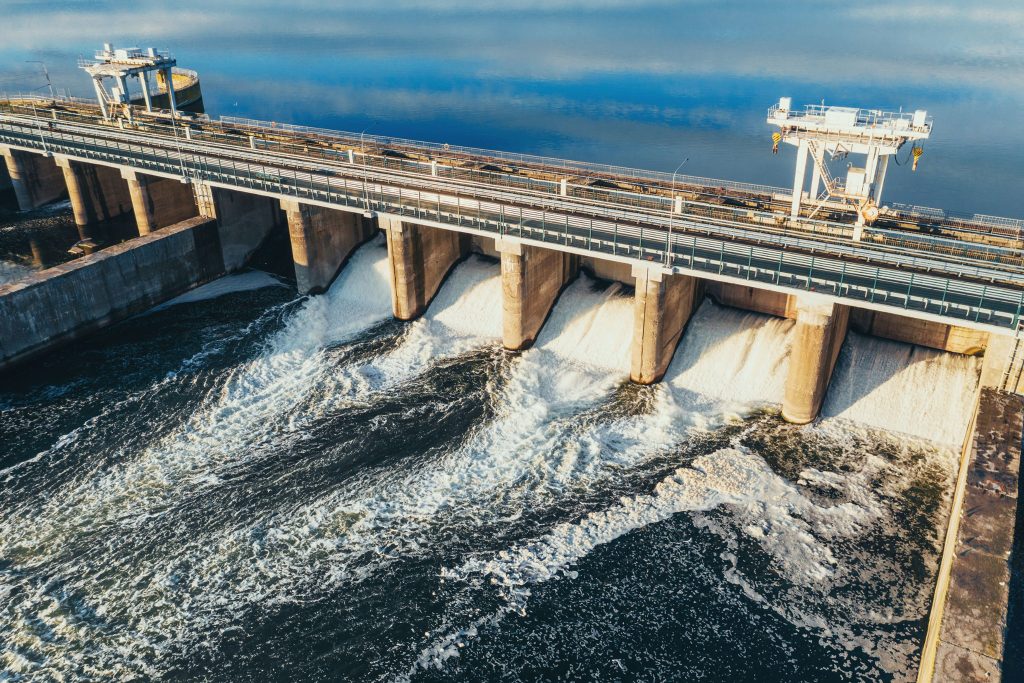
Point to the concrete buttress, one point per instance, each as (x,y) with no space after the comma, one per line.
(531,280)
(322,240)
(817,340)
(420,257)
(662,306)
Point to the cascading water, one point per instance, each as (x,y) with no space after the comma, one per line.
(902,388)
(291,490)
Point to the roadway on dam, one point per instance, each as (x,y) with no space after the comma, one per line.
(971,273)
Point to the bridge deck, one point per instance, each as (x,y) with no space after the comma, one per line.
(949,268)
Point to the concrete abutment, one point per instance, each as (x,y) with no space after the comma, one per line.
(419,257)
(531,279)
(820,330)
(662,306)
(322,240)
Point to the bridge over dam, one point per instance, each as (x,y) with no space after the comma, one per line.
(205,194)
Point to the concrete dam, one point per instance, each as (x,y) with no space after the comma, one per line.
(507,245)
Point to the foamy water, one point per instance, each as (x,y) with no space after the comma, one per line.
(557,434)
(902,388)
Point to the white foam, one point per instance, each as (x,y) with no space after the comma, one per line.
(733,356)
(240,282)
(902,388)
(466,314)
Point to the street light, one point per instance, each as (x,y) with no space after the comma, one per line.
(672,213)
(366,193)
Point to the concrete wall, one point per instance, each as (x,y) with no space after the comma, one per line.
(602,269)
(531,280)
(54,306)
(158,202)
(420,257)
(36,179)
(969,629)
(934,335)
(662,306)
(817,340)
(244,221)
(322,240)
(1003,366)
(752,299)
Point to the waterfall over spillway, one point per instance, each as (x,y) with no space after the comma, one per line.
(903,388)
(733,356)
(464,315)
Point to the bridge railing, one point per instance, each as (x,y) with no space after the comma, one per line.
(781,260)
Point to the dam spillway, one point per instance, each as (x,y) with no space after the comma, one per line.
(371,449)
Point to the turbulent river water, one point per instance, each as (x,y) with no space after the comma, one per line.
(246,485)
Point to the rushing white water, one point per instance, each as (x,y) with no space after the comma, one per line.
(465,314)
(240,282)
(902,388)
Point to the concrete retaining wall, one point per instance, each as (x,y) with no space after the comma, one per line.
(54,306)
(927,333)
(752,299)
(967,628)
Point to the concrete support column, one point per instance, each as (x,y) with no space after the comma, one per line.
(159,202)
(18,174)
(142,204)
(531,280)
(76,194)
(818,337)
(322,240)
(420,258)
(662,306)
(1003,366)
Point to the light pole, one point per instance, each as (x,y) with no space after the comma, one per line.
(672,213)
(366,193)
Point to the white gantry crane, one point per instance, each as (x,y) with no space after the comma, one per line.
(121,63)
(826,133)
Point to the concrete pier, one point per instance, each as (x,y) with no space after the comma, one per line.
(97,193)
(158,202)
(52,307)
(531,280)
(662,306)
(817,339)
(967,629)
(322,240)
(36,179)
(420,258)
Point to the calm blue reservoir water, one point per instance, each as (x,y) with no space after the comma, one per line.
(248,485)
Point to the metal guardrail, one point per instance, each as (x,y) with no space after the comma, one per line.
(778,260)
(1003,226)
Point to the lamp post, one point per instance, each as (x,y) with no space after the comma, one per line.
(672,213)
